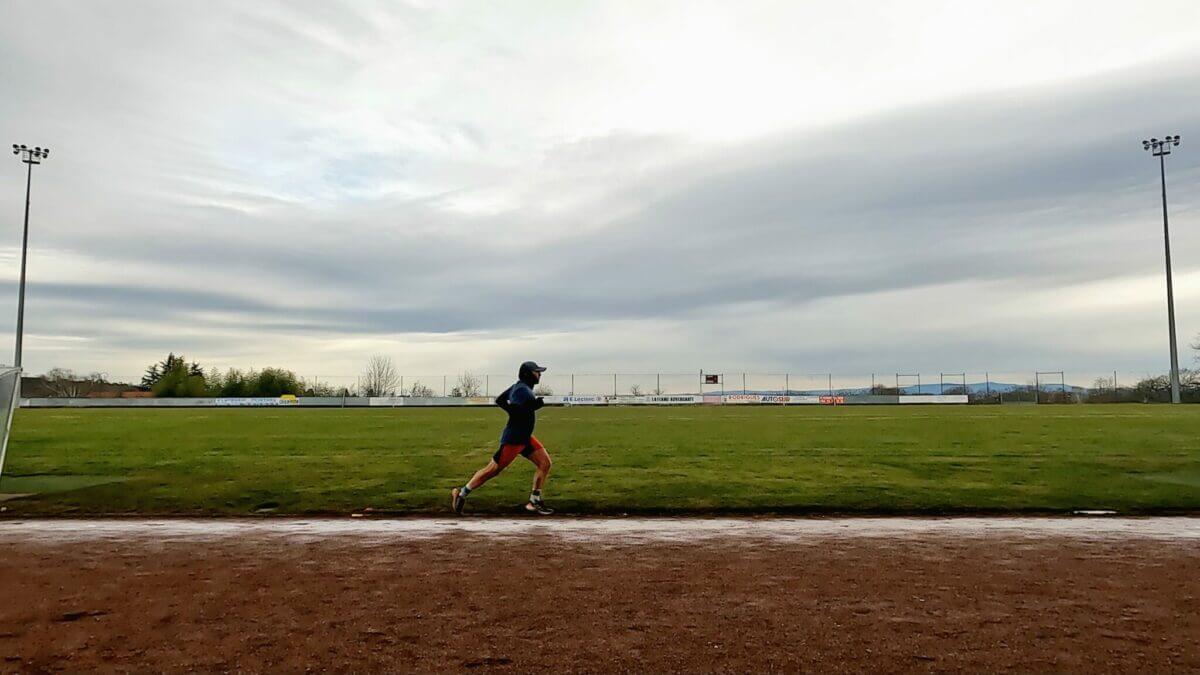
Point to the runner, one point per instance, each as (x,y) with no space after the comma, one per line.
(521,404)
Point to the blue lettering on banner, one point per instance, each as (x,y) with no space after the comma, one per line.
(248,401)
(584,400)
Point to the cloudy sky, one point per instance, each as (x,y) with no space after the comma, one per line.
(851,187)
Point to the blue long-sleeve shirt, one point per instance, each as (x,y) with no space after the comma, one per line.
(521,405)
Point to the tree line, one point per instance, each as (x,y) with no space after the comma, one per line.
(174,376)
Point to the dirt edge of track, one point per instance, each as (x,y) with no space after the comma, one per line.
(467,600)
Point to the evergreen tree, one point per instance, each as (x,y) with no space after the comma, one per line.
(174,376)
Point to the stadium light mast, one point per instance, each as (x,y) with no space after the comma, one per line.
(29,156)
(1160,149)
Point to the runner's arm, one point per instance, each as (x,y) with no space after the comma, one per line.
(522,399)
(502,400)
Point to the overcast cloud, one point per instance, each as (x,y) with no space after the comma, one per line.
(848,187)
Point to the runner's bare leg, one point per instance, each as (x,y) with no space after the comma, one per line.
(484,475)
(541,462)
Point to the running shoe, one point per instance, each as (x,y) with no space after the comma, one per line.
(457,501)
(539,508)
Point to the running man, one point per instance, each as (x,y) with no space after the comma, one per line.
(521,404)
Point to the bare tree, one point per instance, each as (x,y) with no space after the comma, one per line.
(1189,379)
(61,383)
(318,388)
(418,390)
(636,390)
(543,390)
(469,384)
(64,383)
(1153,387)
(380,377)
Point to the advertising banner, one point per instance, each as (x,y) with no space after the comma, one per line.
(255,401)
(777,399)
(579,400)
(683,399)
(659,399)
(395,401)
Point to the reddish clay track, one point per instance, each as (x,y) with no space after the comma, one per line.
(541,602)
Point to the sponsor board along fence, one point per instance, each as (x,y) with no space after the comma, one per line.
(451,401)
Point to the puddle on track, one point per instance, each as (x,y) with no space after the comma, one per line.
(601,530)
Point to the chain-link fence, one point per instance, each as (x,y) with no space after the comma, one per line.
(1034,386)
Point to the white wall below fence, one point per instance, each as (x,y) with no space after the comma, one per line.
(447,401)
(934,398)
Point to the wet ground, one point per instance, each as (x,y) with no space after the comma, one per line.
(602,530)
(596,595)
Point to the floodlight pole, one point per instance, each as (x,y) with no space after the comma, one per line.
(29,157)
(1160,149)
(24,256)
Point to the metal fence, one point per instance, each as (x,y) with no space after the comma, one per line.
(1033,386)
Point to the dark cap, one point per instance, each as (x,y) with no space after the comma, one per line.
(530,366)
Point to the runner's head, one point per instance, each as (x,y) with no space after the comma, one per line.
(530,373)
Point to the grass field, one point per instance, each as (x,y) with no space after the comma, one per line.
(1132,458)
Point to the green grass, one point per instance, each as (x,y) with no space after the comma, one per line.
(1131,458)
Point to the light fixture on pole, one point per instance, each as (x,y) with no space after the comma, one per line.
(1160,149)
(29,156)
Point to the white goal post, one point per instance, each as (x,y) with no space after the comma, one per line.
(10,398)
